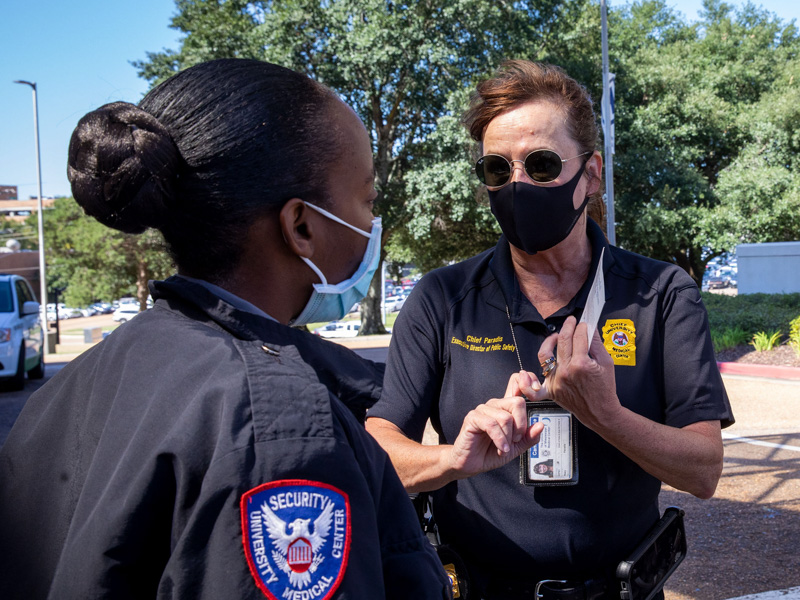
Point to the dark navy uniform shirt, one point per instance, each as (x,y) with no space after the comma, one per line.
(452,349)
(205,452)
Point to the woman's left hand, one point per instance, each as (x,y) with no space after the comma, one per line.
(583,379)
(687,458)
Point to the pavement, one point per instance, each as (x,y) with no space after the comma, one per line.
(754,486)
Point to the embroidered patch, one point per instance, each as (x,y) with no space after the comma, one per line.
(296,536)
(619,338)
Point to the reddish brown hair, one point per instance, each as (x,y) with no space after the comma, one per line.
(518,82)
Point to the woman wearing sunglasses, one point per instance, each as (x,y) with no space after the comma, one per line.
(205,449)
(640,404)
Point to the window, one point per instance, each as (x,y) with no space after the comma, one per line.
(6,301)
(24,294)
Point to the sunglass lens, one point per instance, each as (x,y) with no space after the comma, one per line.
(543,166)
(493,170)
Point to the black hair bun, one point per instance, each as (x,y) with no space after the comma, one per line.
(123,165)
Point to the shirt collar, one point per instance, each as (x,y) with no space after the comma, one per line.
(228,297)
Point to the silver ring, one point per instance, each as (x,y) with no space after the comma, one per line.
(548,361)
(549,367)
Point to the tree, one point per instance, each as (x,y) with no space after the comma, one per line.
(695,104)
(761,187)
(91,261)
(691,112)
(397,64)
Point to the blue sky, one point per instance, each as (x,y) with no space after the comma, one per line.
(79,53)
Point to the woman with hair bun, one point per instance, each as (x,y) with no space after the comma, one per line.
(206,449)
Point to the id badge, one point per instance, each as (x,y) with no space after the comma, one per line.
(554,460)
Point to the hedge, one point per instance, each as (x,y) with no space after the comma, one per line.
(751,312)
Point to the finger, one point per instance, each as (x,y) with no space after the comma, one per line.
(564,351)
(515,407)
(580,343)
(533,434)
(498,424)
(544,392)
(599,352)
(513,387)
(548,347)
(528,384)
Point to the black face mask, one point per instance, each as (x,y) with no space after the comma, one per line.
(536,218)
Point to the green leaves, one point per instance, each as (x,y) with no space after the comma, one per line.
(94,262)
(764,342)
(707,119)
(706,128)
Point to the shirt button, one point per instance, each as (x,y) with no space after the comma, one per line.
(551,328)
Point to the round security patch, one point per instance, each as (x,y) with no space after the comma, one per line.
(296,536)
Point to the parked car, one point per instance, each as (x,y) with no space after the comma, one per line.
(21,333)
(125,312)
(64,312)
(395,303)
(338,329)
(717,282)
(102,308)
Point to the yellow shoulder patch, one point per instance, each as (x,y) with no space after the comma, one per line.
(619,338)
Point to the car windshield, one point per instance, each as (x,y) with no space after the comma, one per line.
(6,301)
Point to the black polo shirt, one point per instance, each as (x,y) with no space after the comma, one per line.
(452,349)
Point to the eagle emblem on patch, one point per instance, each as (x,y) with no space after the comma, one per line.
(296,536)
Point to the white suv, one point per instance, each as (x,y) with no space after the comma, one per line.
(21,333)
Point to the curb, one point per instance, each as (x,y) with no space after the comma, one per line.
(754,370)
(788,594)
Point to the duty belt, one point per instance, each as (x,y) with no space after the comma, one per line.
(552,589)
(559,589)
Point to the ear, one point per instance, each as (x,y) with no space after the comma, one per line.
(594,167)
(297,230)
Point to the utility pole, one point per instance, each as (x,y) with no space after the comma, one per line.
(609,151)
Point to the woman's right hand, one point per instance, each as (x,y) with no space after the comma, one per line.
(496,432)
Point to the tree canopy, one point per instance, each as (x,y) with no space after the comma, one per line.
(706,124)
(92,262)
(398,65)
(698,106)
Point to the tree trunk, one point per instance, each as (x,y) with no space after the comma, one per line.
(142,277)
(371,321)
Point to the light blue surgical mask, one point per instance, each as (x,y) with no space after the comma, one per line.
(330,302)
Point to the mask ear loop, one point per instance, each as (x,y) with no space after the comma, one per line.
(315,269)
(333,217)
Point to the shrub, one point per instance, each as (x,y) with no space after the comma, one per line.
(794,335)
(751,313)
(729,338)
(764,342)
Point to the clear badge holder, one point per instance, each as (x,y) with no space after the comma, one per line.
(554,460)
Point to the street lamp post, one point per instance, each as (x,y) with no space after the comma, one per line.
(42,281)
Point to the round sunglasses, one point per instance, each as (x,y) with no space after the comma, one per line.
(542,166)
